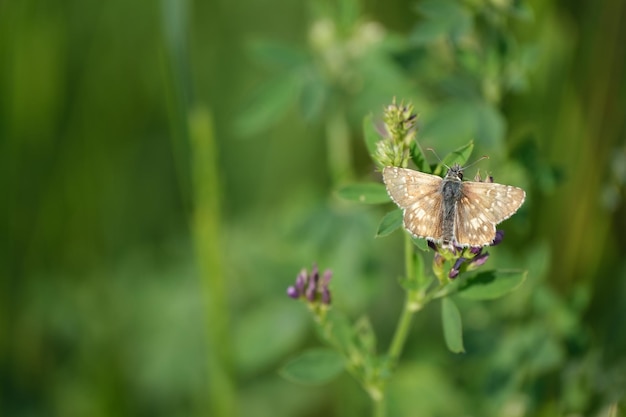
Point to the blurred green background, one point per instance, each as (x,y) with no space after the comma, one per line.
(169,166)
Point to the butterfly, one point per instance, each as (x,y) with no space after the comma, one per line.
(450,211)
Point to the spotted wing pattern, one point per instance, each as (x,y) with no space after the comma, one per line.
(418,195)
(481,207)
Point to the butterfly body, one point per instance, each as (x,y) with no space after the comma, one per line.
(451,192)
(450,211)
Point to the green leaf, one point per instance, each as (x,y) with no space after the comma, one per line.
(366,193)
(427,32)
(337,331)
(268,104)
(459,156)
(253,350)
(421,243)
(422,279)
(442,18)
(371,136)
(313,367)
(439,9)
(389,223)
(488,285)
(419,281)
(314,96)
(365,335)
(418,158)
(452,327)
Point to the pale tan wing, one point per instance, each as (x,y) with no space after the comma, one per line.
(472,224)
(498,201)
(481,207)
(419,196)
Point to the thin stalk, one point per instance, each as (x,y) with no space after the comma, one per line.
(409,257)
(402,331)
(379,407)
(206,233)
(192,130)
(404,324)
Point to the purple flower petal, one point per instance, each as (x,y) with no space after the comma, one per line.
(293,292)
(312,284)
(301,280)
(325,296)
(454,272)
(323,287)
(480,260)
(498,238)
(315,274)
(475,250)
(310,291)
(328,274)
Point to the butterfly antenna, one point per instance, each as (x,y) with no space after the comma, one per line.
(437,156)
(476,161)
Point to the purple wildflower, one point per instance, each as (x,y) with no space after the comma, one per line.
(454,272)
(479,260)
(293,292)
(311,287)
(468,258)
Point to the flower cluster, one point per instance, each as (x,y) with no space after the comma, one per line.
(465,259)
(312,287)
(394,148)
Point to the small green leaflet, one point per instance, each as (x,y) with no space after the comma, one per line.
(371,136)
(460,156)
(452,326)
(488,285)
(389,223)
(313,367)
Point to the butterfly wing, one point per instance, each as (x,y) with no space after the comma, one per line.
(419,196)
(481,207)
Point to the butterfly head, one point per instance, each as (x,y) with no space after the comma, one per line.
(455,173)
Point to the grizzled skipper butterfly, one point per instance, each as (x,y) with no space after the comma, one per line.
(450,211)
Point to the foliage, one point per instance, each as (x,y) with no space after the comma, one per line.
(355,344)
(168,167)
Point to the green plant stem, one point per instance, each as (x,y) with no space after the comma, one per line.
(379,407)
(206,233)
(409,261)
(404,324)
(403,327)
(402,331)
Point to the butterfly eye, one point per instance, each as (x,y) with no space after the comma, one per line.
(460,175)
